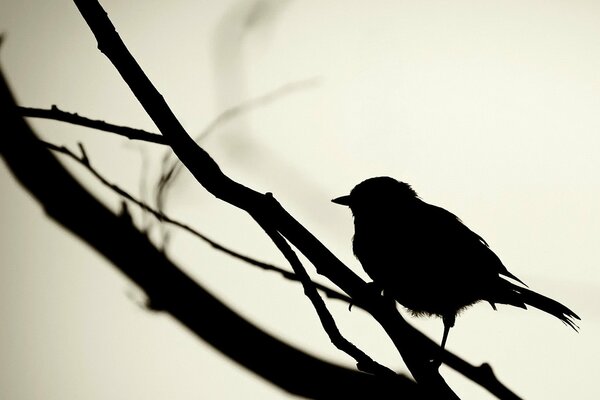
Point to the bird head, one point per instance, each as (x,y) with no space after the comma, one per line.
(377,192)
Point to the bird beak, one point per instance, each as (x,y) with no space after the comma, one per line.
(344,200)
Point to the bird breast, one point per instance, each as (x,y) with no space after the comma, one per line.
(406,261)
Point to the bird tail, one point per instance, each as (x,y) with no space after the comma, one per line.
(548,305)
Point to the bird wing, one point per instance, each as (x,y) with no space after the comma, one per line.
(464,241)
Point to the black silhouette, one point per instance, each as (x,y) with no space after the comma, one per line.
(427,260)
(170,290)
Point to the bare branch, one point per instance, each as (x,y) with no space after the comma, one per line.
(364,362)
(161,216)
(73,118)
(415,349)
(483,372)
(169,288)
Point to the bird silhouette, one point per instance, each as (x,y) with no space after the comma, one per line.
(426,259)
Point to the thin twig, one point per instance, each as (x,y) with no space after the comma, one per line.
(364,362)
(161,216)
(483,373)
(73,118)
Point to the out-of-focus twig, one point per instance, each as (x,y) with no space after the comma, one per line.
(171,166)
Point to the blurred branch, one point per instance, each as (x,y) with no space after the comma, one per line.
(170,172)
(168,288)
(416,350)
(161,216)
(58,115)
(255,103)
(483,373)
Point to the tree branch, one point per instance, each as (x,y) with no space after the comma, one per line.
(55,114)
(482,373)
(168,288)
(170,172)
(364,362)
(413,346)
(162,217)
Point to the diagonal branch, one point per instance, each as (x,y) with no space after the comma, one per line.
(170,172)
(483,373)
(415,349)
(161,216)
(364,362)
(168,288)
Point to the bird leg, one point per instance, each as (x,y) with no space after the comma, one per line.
(448,323)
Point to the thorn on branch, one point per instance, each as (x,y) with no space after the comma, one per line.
(125,214)
(487,371)
(84,158)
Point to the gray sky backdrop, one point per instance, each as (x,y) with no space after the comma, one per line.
(490,109)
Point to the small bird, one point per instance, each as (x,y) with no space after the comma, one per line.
(426,259)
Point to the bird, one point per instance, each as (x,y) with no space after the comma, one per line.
(428,260)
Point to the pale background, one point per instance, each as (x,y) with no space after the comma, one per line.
(490,109)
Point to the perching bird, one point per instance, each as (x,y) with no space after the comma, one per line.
(426,259)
